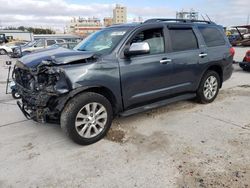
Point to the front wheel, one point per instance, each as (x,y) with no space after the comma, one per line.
(2,52)
(209,87)
(87,118)
(15,94)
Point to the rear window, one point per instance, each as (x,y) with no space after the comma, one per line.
(212,36)
(60,41)
(183,39)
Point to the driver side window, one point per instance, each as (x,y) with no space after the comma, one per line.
(40,43)
(155,39)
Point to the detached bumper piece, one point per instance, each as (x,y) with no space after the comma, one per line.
(39,115)
(24,111)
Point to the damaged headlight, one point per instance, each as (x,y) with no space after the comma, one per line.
(51,79)
(61,84)
(43,78)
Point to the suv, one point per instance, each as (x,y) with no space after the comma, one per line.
(123,70)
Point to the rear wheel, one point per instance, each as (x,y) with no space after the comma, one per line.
(209,87)
(87,118)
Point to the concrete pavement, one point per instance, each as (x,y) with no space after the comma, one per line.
(181,145)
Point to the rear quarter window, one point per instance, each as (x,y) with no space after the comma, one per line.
(212,36)
(183,39)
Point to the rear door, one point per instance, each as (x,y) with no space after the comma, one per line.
(216,46)
(186,55)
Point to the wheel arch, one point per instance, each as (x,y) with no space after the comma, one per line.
(106,92)
(218,69)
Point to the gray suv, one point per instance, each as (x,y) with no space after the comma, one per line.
(123,70)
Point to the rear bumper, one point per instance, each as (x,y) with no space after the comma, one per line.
(228,71)
(245,65)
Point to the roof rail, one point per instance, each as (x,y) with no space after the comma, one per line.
(177,20)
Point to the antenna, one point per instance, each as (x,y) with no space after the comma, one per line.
(203,17)
(208,18)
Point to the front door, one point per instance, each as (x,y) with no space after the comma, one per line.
(145,78)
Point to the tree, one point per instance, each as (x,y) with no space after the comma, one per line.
(32,30)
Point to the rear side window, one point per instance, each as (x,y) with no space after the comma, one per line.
(183,39)
(212,36)
(60,41)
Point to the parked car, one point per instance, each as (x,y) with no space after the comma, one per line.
(245,64)
(8,47)
(69,45)
(35,46)
(122,70)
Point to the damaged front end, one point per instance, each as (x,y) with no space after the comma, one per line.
(41,88)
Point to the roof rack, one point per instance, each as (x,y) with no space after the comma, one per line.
(177,20)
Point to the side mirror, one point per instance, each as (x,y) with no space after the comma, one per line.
(138,48)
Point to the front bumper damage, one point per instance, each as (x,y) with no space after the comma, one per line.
(42,91)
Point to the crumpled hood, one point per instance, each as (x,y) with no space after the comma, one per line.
(57,55)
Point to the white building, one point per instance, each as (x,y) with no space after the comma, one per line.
(84,26)
(119,14)
(17,35)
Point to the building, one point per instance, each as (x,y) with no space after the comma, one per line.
(108,21)
(119,14)
(84,26)
(191,15)
(16,35)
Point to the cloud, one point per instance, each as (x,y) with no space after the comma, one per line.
(49,13)
(226,12)
(57,13)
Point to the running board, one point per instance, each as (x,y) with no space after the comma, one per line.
(157,104)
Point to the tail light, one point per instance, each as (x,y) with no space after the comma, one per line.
(248,53)
(232,51)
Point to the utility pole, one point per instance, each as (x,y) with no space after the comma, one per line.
(248,19)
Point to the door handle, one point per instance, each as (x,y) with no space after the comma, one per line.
(202,55)
(165,61)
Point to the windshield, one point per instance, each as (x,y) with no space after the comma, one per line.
(103,41)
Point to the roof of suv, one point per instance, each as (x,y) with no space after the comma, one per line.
(163,20)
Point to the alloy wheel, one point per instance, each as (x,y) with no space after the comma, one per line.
(91,120)
(210,87)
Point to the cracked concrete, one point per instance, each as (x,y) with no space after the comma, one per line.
(181,145)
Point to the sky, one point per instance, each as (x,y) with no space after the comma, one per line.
(56,14)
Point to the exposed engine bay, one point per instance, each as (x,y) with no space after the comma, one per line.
(37,87)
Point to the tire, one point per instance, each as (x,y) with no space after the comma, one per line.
(209,87)
(15,94)
(3,52)
(86,128)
